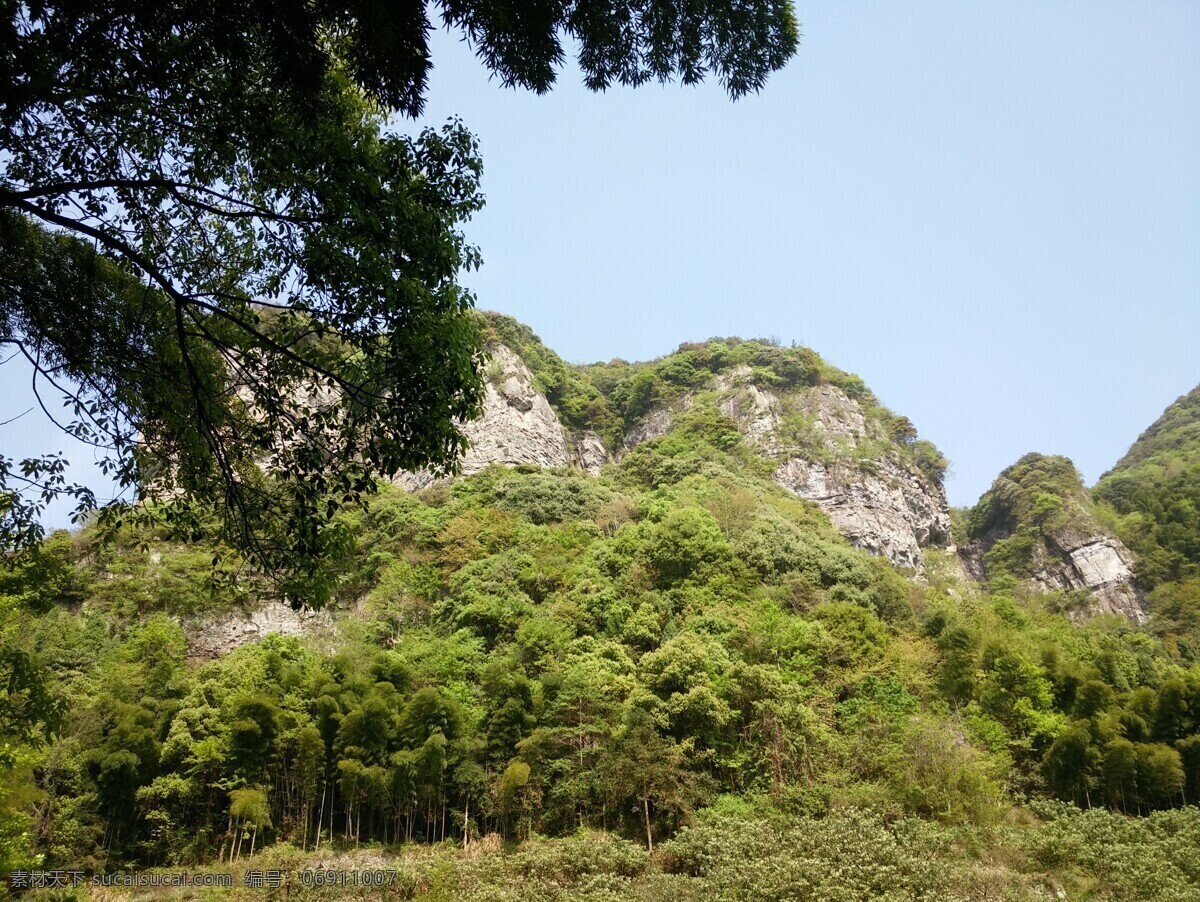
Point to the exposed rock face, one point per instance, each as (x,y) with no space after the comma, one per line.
(836,414)
(590,454)
(654,424)
(755,411)
(1053,541)
(971,558)
(216,637)
(882,504)
(1099,564)
(518,425)
(892,512)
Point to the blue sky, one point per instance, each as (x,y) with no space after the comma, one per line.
(990,211)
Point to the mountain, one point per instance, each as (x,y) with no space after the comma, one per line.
(1153,494)
(820,432)
(1155,488)
(822,435)
(1173,436)
(1038,526)
(1128,546)
(690,628)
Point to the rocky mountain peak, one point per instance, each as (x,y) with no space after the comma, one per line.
(828,451)
(1038,525)
(517,425)
(830,443)
(826,438)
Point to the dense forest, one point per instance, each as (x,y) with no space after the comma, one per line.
(672,679)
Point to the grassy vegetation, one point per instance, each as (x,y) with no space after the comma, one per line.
(744,851)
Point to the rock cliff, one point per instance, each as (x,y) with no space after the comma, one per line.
(827,440)
(590,454)
(517,426)
(881,502)
(1099,564)
(212,637)
(890,512)
(1036,524)
(847,465)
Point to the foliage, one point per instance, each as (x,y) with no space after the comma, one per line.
(216,251)
(675,680)
(1126,858)
(1155,491)
(540,652)
(1035,509)
(239,273)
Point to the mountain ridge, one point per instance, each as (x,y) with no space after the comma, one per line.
(826,437)
(679,649)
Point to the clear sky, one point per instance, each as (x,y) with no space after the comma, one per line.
(990,211)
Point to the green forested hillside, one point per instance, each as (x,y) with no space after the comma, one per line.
(1038,527)
(674,680)
(1155,492)
(1027,505)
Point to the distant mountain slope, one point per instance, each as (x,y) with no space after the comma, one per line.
(1177,431)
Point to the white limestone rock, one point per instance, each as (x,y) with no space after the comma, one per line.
(1099,564)
(835,413)
(590,453)
(892,512)
(1067,561)
(518,425)
(656,423)
(754,410)
(883,504)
